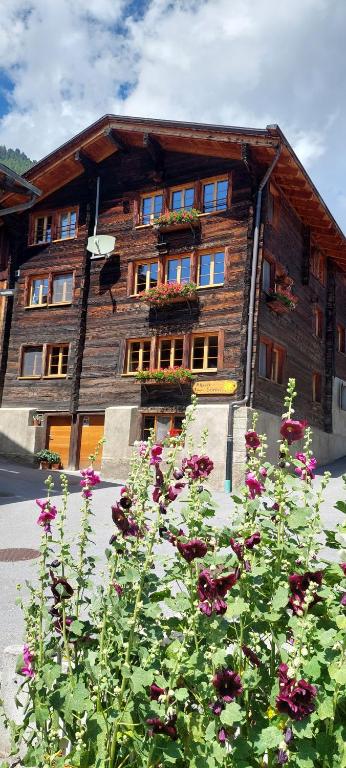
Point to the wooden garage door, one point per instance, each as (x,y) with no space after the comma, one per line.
(58,436)
(91,431)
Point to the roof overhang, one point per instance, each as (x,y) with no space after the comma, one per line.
(13,185)
(113,134)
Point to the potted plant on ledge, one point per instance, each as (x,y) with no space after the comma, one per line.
(175,220)
(177,375)
(282,300)
(48,459)
(169,293)
(37,419)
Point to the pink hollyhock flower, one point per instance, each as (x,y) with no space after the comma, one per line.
(142,449)
(254,485)
(47,514)
(263,472)
(156,455)
(343,568)
(293,430)
(27,670)
(343,599)
(252,439)
(90,478)
(306,472)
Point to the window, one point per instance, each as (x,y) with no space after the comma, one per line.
(171,353)
(317,387)
(162,424)
(62,289)
(57,360)
(273,206)
(67,224)
(43,229)
(38,292)
(211,268)
(204,353)
(178,270)
(318,267)
(151,207)
(268,275)
(56,225)
(138,356)
(340,338)
(31,366)
(146,276)
(271,359)
(215,195)
(182,199)
(318,322)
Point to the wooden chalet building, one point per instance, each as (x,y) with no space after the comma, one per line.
(267,261)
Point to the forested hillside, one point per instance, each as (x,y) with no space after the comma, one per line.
(15,159)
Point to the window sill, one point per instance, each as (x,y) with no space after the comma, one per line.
(51,242)
(203,370)
(271,381)
(211,285)
(28,378)
(56,376)
(48,306)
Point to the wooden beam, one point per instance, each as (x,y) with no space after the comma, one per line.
(90,167)
(154,149)
(114,138)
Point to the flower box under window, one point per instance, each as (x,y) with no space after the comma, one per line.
(178,375)
(177,220)
(169,293)
(282,301)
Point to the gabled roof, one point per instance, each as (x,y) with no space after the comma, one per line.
(113,133)
(12,182)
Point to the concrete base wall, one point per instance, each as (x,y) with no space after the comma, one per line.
(10,682)
(19,439)
(121,431)
(214,418)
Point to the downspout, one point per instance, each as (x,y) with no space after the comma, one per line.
(249,346)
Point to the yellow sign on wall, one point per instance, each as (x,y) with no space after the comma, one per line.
(216,387)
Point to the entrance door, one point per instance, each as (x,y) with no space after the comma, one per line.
(58,436)
(90,432)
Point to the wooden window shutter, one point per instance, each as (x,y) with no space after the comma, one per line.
(130,278)
(229,191)
(193,266)
(198,195)
(153,351)
(221,349)
(120,365)
(186,350)
(136,206)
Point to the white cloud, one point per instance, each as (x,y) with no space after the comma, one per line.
(239,62)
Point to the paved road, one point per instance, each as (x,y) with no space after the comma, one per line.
(20,486)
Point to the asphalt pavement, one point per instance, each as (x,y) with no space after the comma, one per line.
(21,485)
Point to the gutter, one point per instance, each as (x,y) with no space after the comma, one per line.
(249,346)
(27,188)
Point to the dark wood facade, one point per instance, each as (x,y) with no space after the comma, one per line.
(104,314)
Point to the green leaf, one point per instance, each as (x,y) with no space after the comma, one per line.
(181,694)
(210,732)
(312,668)
(338,673)
(236,607)
(50,673)
(280,598)
(270,738)
(326,709)
(341,506)
(77,628)
(141,678)
(232,714)
(41,715)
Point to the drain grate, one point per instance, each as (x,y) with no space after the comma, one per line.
(12,555)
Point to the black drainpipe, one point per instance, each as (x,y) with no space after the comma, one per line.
(249,346)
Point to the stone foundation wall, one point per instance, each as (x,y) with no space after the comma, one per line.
(19,439)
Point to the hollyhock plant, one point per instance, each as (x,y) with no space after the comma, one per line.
(177,650)
(309,464)
(252,440)
(47,514)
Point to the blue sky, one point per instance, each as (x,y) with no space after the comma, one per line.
(64,63)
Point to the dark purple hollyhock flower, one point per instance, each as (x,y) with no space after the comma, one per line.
(118,589)
(211,591)
(299,583)
(55,564)
(125,502)
(288,735)
(222,735)
(252,439)
(237,548)
(254,539)
(178,474)
(155,692)
(282,757)
(227,684)
(343,568)
(197,467)
(296,699)
(217,707)
(157,726)
(59,624)
(343,599)
(282,675)
(159,477)
(156,494)
(192,549)
(127,525)
(251,655)
(156,455)
(174,491)
(61,589)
